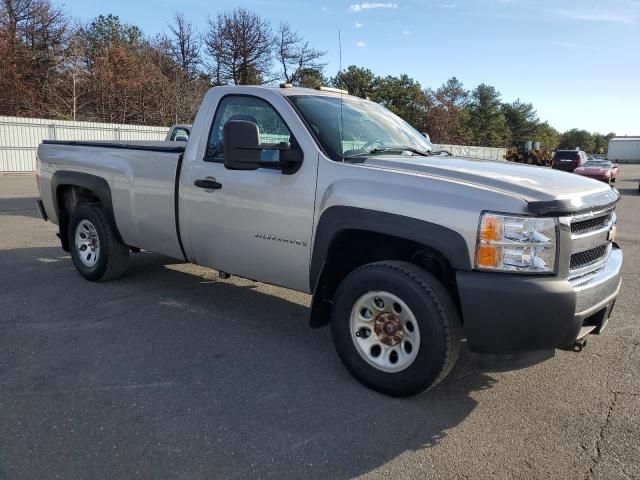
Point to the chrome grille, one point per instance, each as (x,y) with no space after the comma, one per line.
(588,257)
(590,245)
(591,224)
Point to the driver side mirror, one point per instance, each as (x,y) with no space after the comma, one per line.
(241,145)
(426,135)
(243,150)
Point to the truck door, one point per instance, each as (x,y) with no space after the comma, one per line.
(255,224)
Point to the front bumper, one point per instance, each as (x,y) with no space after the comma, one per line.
(509,313)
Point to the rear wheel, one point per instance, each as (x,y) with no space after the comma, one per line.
(395,328)
(96,252)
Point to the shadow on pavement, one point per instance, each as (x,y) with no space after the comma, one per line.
(170,373)
(630,191)
(23,206)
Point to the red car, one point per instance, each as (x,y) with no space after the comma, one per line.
(599,170)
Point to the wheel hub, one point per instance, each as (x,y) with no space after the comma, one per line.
(384,331)
(388,328)
(87,243)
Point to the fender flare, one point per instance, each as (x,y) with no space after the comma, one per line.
(97,185)
(337,219)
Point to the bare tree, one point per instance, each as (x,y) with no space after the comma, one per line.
(66,86)
(240,45)
(295,55)
(287,42)
(185,45)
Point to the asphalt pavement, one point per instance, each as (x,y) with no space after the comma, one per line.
(172,373)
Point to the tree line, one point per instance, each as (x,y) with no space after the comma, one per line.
(106,70)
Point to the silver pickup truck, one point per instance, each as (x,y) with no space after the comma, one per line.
(405,250)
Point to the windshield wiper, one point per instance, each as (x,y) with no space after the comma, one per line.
(391,148)
(402,148)
(440,152)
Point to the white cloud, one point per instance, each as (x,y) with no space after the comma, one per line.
(406,32)
(359,7)
(361,44)
(358,25)
(448,5)
(598,16)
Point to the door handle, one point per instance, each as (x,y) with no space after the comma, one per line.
(208,183)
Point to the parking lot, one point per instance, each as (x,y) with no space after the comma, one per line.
(171,372)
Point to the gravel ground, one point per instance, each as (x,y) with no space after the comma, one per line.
(170,372)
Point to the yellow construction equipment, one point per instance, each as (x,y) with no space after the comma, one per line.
(529,152)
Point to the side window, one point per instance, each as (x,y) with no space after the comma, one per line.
(234,107)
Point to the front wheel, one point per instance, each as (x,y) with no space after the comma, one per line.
(96,252)
(395,328)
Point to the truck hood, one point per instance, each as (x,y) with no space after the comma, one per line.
(532,184)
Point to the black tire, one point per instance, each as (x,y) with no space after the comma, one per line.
(112,257)
(434,311)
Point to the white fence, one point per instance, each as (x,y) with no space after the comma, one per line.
(20,137)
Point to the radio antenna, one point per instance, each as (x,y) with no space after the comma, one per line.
(341,94)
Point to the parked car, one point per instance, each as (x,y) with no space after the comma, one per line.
(403,251)
(568,160)
(178,133)
(602,170)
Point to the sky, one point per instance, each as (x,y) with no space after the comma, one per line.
(577,61)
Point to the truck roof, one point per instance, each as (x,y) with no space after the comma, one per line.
(287,91)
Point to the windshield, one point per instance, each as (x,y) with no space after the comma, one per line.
(597,163)
(566,155)
(367,126)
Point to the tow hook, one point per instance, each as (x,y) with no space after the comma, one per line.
(578,346)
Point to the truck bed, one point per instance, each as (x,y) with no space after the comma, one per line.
(167,147)
(142,180)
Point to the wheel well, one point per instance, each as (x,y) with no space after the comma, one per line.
(68,198)
(351,249)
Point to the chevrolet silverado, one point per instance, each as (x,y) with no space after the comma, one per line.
(405,251)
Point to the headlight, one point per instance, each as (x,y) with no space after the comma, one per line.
(516,244)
